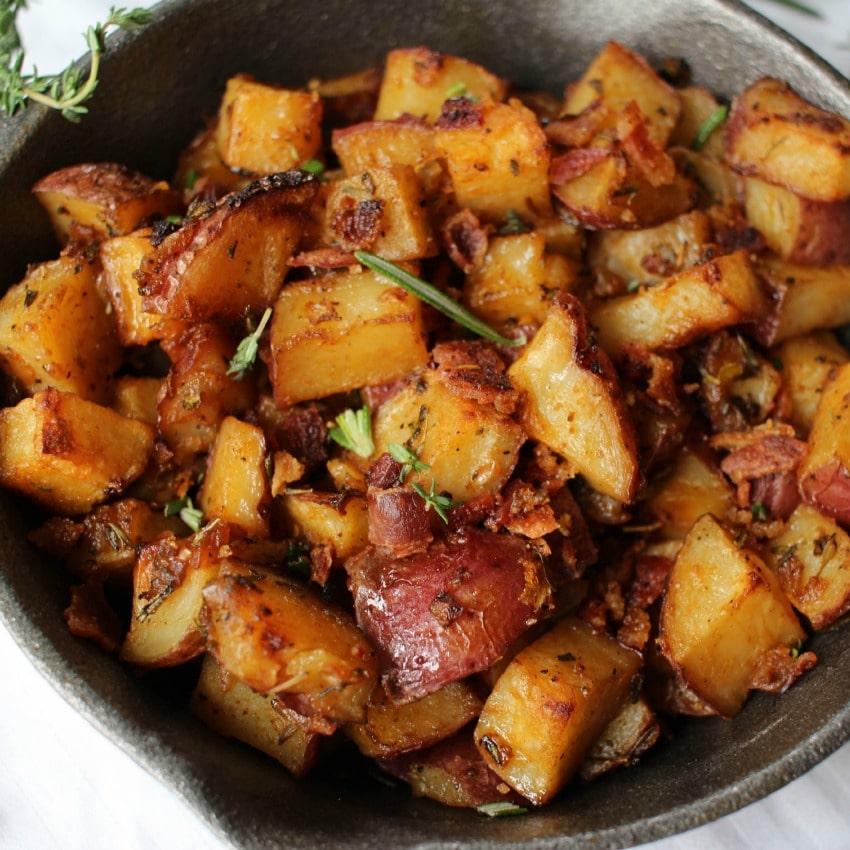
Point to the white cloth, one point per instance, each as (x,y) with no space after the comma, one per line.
(63,785)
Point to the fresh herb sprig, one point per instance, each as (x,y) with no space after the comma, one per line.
(408,459)
(429,293)
(246,351)
(353,431)
(67,91)
(438,502)
(186,510)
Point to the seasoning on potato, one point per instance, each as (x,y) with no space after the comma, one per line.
(481,436)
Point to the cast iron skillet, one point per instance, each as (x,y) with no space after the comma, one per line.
(156,87)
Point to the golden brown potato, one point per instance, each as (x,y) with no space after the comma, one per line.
(340,332)
(417,81)
(56,331)
(573,403)
(551,704)
(698,105)
(723,614)
(265,129)
(70,454)
(94,201)
(233,260)
(384,143)
(259,720)
(277,637)
(777,136)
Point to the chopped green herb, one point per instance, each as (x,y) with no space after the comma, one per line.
(174,219)
(709,126)
(186,510)
(759,510)
(431,295)
(460,90)
(117,537)
(513,225)
(353,431)
(500,810)
(799,7)
(314,166)
(191,178)
(408,458)
(633,286)
(66,91)
(246,353)
(438,501)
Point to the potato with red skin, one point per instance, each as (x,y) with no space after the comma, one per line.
(441,615)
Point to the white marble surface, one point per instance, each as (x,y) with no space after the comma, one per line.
(63,785)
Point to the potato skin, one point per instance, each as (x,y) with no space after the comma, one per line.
(442,615)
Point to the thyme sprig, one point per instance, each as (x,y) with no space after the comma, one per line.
(429,293)
(67,91)
(353,431)
(246,351)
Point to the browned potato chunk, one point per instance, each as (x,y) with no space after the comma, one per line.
(236,486)
(94,201)
(340,332)
(550,705)
(55,331)
(231,708)
(384,143)
(276,636)
(824,474)
(418,81)
(573,402)
(517,279)
(391,729)
(723,614)
(617,76)
(121,258)
(221,265)
(264,129)
(382,210)
(498,158)
(777,136)
(798,229)
(694,303)
(168,578)
(136,398)
(698,105)
(438,616)
(808,362)
(70,454)
(802,299)
(812,559)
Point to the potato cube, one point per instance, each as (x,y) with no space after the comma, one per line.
(617,76)
(573,402)
(808,362)
(498,158)
(779,137)
(56,331)
(276,636)
(259,720)
(551,704)
(220,266)
(694,303)
(802,299)
(798,229)
(236,486)
(418,81)
(518,279)
(384,143)
(341,332)
(136,398)
(723,611)
(698,106)
(121,258)
(381,210)
(264,129)
(812,559)
(94,201)
(470,448)
(70,454)
(337,520)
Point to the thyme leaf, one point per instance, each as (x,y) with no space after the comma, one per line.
(353,431)
(246,352)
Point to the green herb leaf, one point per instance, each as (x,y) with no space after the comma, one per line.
(438,501)
(246,352)
(799,7)
(313,166)
(501,809)
(759,511)
(513,225)
(66,91)
(409,460)
(353,431)
(186,510)
(709,126)
(431,295)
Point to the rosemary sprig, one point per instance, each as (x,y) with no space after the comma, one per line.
(799,7)
(353,431)
(434,297)
(246,352)
(66,91)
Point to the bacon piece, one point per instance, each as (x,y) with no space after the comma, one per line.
(649,157)
(324,258)
(474,370)
(777,669)
(90,616)
(466,239)
(525,510)
(574,163)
